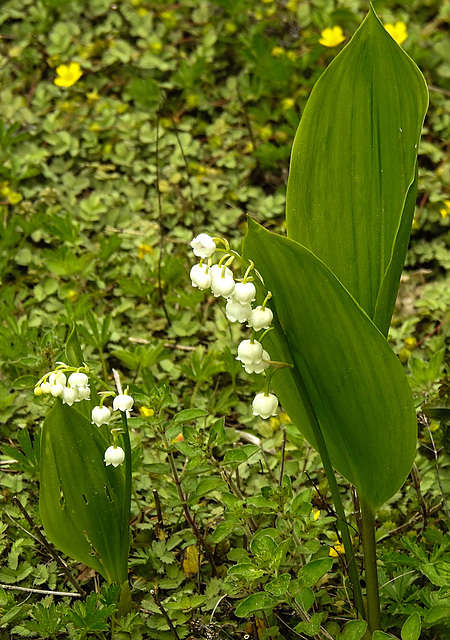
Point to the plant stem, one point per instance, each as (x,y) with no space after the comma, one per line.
(370,563)
(126,507)
(332,483)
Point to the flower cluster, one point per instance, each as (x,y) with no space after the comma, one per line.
(239,295)
(73,388)
(100,414)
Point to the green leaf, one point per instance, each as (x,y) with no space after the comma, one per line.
(74,355)
(351,187)
(279,586)
(188,414)
(343,368)
(81,500)
(438,613)
(255,603)
(381,635)
(313,571)
(353,630)
(412,627)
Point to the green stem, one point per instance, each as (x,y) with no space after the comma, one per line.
(126,507)
(370,563)
(332,483)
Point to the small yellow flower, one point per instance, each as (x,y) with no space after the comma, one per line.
(14,197)
(397,31)
(316,515)
(446,210)
(68,74)
(337,550)
(146,412)
(332,37)
(143,249)
(277,52)
(287,103)
(291,55)
(155,48)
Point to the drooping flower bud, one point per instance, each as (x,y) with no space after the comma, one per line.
(201,276)
(249,352)
(237,312)
(258,367)
(78,379)
(57,377)
(222,285)
(203,245)
(244,292)
(123,402)
(265,405)
(114,456)
(69,395)
(100,415)
(260,318)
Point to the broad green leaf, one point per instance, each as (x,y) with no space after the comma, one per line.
(255,603)
(313,571)
(412,627)
(343,368)
(352,186)
(81,500)
(353,630)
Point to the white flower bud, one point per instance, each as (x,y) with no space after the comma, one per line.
(78,379)
(222,286)
(46,387)
(57,377)
(83,393)
(237,312)
(123,403)
(56,389)
(244,292)
(114,456)
(69,395)
(217,271)
(100,415)
(250,352)
(260,318)
(265,405)
(203,245)
(201,276)
(258,367)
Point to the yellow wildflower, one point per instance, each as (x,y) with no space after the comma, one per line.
(143,249)
(316,515)
(146,412)
(291,55)
(397,31)
(337,550)
(14,197)
(446,210)
(277,52)
(331,37)
(68,74)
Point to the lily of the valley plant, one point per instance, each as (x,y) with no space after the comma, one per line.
(350,204)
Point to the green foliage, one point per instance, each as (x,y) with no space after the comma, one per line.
(188,103)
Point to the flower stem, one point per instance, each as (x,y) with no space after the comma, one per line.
(370,562)
(126,507)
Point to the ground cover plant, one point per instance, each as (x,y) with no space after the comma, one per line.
(196,510)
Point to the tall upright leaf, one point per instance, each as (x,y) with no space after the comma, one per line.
(353,165)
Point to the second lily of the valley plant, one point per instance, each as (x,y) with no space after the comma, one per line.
(350,204)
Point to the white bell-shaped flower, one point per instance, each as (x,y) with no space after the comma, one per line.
(57,377)
(203,245)
(114,456)
(244,292)
(260,318)
(123,402)
(222,285)
(46,387)
(100,415)
(250,352)
(265,405)
(201,276)
(56,389)
(78,379)
(217,271)
(83,393)
(237,312)
(258,367)
(69,395)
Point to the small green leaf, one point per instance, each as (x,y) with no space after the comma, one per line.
(279,586)
(412,627)
(438,613)
(222,531)
(353,630)
(74,355)
(313,571)
(381,635)
(188,414)
(254,604)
